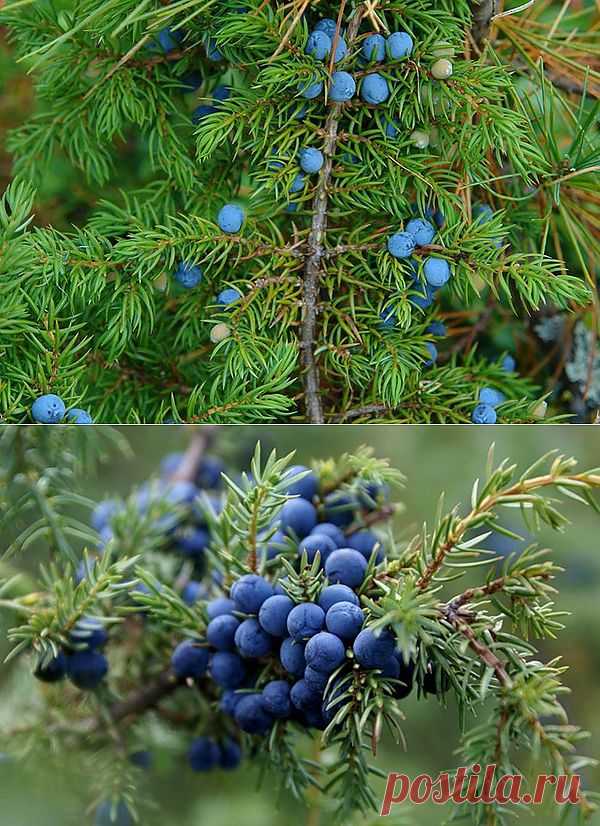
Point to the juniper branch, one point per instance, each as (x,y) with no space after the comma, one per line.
(316,251)
(521,488)
(145,699)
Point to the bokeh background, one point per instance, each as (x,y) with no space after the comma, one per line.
(47,792)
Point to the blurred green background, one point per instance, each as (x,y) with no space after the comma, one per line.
(47,792)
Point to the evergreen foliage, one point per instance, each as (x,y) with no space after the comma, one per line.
(474,644)
(172,110)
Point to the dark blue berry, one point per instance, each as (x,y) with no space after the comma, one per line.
(437,328)
(298,517)
(345,620)
(249,592)
(491,396)
(142,759)
(422,296)
(169,39)
(220,605)
(305,620)
(52,670)
(373,650)
(203,754)
(227,669)
(341,49)
(221,93)
(318,45)
(436,271)
(191,82)
(88,633)
(78,416)
(251,640)
(277,544)
(297,184)
(212,51)
(273,614)
(342,88)
(327,25)
(276,698)
(401,245)
(304,697)
(193,542)
(509,365)
(200,112)
(230,754)
(228,297)
(310,90)
(317,680)
(208,476)
(291,655)
(307,487)
(229,700)
(399,44)
(103,514)
(333,594)
(87,669)
(317,542)
(188,275)
(330,530)
(193,591)
(346,566)
(421,230)
(374,89)
(339,509)
(391,669)
(373,48)
(433,354)
(364,542)
(325,652)
(252,716)
(189,660)
(220,632)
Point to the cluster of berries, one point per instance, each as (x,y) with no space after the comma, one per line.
(374,88)
(205,754)
(420,232)
(273,649)
(81,660)
(489,398)
(50,409)
(184,523)
(187,534)
(276,656)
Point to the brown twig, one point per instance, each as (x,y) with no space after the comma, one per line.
(202,438)
(485,506)
(146,698)
(315,254)
(357,412)
(381,515)
(483,12)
